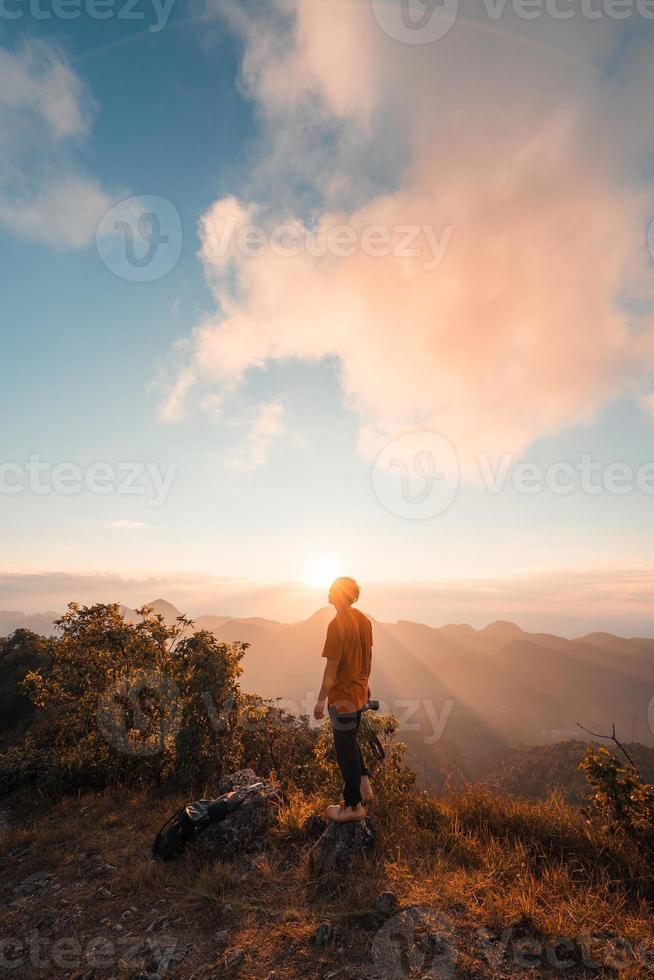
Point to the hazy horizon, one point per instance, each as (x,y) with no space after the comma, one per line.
(603,602)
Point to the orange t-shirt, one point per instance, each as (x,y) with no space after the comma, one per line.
(349,642)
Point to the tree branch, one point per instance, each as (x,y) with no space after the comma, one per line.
(611,738)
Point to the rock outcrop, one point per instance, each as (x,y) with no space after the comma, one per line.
(243,829)
(341,847)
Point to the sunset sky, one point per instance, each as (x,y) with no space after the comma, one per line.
(447,274)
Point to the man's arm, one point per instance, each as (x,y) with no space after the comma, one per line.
(328,679)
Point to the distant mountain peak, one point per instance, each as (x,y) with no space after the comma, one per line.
(505,626)
(597,637)
(159,603)
(325,613)
(160,607)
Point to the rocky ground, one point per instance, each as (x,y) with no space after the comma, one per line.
(84,898)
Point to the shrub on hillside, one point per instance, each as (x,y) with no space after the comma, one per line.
(130,703)
(272,740)
(619,799)
(20,653)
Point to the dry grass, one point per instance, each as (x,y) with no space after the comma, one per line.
(294,813)
(215,881)
(484,864)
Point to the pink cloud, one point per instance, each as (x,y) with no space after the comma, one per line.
(520,148)
(265,428)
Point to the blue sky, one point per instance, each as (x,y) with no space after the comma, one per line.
(89,357)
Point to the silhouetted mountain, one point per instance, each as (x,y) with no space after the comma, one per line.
(42,623)
(160,606)
(170,614)
(459,691)
(502,684)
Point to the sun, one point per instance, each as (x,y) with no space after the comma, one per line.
(321,572)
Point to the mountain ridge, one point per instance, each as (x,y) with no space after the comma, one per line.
(457,688)
(168,609)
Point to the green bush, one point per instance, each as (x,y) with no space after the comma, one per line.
(618,799)
(134,703)
(20,653)
(272,740)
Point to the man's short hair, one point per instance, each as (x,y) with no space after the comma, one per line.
(346,589)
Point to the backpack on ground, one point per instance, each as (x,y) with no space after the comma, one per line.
(192,818)
(183,825)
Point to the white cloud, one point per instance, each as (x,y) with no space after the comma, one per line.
(265,429)
(172,408)
(128,525)
(511,133)
(66,213)
(37,82)
(44,114)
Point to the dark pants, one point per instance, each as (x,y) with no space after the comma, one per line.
(348,754)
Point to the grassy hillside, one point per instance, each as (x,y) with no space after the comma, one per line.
(513,887)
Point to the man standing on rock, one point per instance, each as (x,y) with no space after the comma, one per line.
(348,652)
